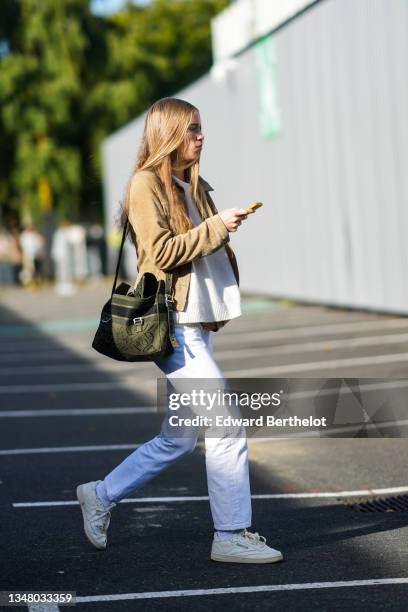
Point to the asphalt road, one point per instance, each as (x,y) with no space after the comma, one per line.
(69,415)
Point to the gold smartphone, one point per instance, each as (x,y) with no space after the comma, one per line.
(255,205)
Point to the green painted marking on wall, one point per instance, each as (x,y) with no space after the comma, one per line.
(267,82)
(249,306)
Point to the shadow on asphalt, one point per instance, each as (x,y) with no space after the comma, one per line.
(23,343)
(297,527)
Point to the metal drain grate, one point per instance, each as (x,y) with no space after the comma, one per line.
(378,504)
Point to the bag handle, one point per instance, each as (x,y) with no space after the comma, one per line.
(119,257)
(169,275)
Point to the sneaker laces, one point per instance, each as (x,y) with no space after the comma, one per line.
(101,518)
(253,538)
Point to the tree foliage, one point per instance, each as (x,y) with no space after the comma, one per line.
(68,78)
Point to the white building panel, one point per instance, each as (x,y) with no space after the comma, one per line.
(333,179)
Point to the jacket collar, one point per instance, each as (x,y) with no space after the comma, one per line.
(206,186)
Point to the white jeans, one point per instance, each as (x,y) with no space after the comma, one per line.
(226,457)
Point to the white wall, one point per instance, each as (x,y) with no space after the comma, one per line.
(333,181)
(245,20)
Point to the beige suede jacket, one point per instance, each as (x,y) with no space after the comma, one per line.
(159,250)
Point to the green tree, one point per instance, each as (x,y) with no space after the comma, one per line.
(39,86)
(68,78)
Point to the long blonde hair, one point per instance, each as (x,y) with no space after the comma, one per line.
(165,129)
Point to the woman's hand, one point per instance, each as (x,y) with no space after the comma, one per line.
(233,217)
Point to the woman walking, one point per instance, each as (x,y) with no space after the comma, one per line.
(176,226)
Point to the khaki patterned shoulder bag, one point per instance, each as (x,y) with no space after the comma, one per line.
(137,325)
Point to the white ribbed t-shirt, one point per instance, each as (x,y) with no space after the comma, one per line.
(213,293)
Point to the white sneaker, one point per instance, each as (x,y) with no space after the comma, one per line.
(96,516)
(244,547)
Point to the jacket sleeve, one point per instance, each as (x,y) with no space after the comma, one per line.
(162,247)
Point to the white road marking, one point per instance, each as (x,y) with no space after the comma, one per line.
(241,335)
(69,387)
(286,349)
(66,449)
(321,366)
(264,588)
(302,434)
(43,607)
(96,368)
(77,411)
(129,382)
(335,431)
(194,498)
(393,384)
(42,355)
(38,345)
(314,330)
(323,345)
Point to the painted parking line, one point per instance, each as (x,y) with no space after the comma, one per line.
(314,330)
(42,346)
(77,411)
(66,449)
(286,349)
(334,432)
(43,607)
(245,373)
(265,370)
(39,329)
(88,367)
(242,334)
(70,325)
(195,498)
(264,588)
(129,382)
(43,355)
(393,384)
(323,345)
(311,366)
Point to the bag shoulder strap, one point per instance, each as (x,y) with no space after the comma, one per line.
(119,257)
(169,275)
